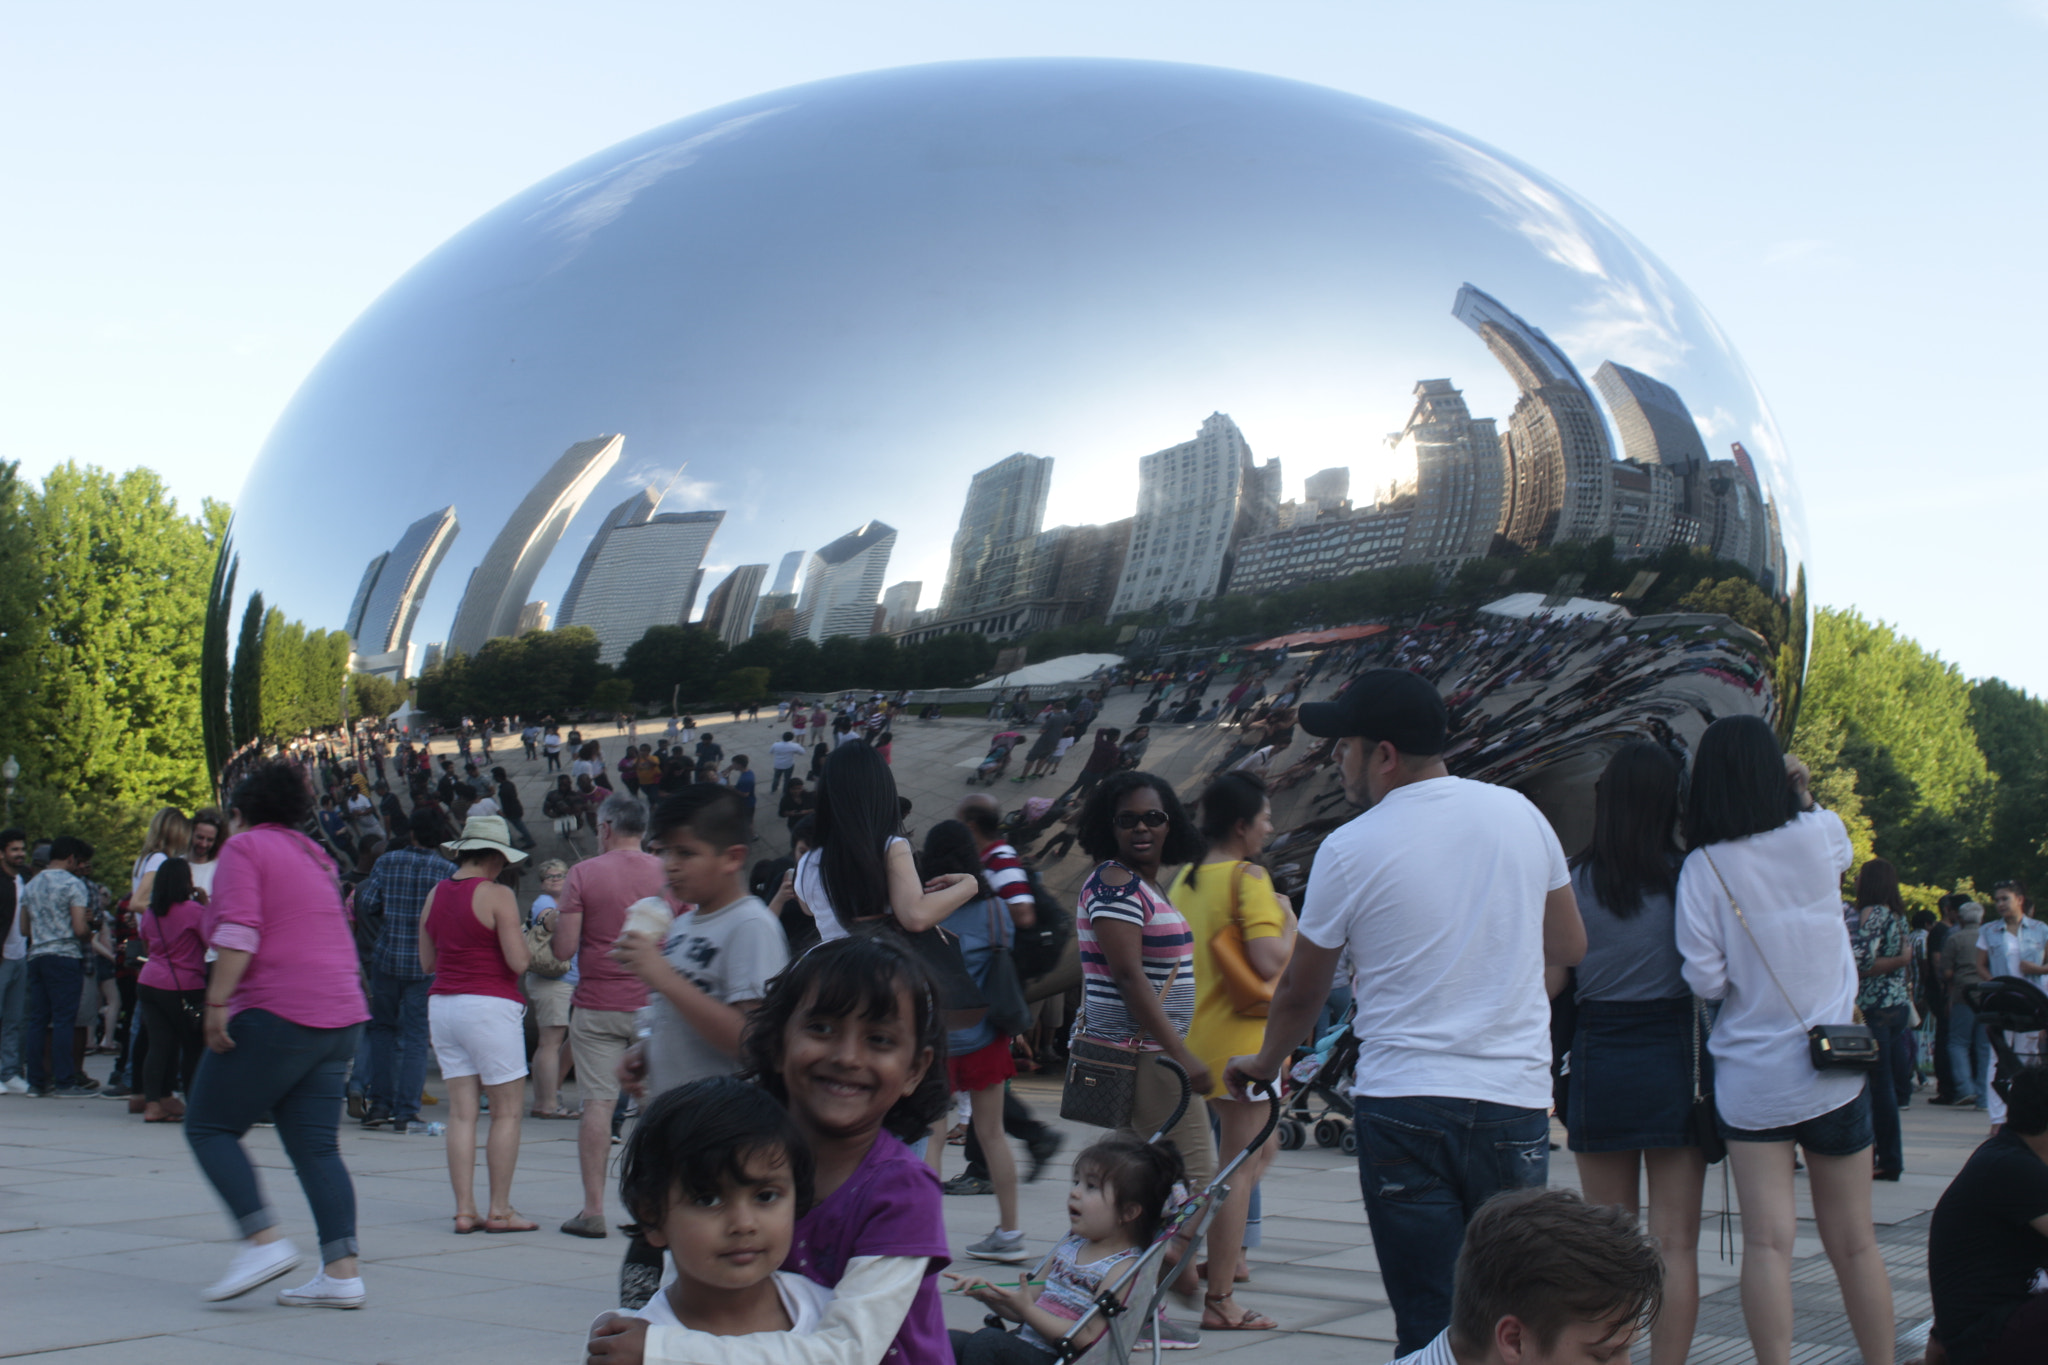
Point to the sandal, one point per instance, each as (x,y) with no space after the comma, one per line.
(466,1223)
(514,1222)
(1214,1321)
(556,1113)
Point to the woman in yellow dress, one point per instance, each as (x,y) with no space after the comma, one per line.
(1225,887)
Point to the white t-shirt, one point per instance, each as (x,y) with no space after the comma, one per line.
(143,868)
(1437,892)
(202,876)
(784,753)
(729,954)
(810,889)
(1788,882)
(16,947)
(804,1300)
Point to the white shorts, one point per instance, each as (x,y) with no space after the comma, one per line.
(478,1035)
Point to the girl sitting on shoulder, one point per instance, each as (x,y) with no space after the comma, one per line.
(1115,1209)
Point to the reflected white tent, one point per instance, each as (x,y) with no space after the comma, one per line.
(1071,668)
(408,719)
(1523,605)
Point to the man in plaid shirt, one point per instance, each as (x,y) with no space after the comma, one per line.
(399,886)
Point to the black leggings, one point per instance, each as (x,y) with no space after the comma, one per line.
(174,1041)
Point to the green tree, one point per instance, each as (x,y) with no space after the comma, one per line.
(611,695)
(744,686)
(801,668)
(668,657)
(372,696)
(959,659)
(245,686)
(108,669)
(18,580)
(2012,730)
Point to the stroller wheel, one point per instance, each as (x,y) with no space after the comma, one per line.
(1348,1144)
(1328,1132)
(1292,1135)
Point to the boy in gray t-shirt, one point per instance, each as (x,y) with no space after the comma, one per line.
(713,965)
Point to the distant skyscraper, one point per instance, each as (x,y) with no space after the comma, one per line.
(1648,503)
(775,611)
(1457,478)
(1327,487)
(1556,448)
(729,611)
(1325,549)
(1734,523)
(1196,501)
(434,653)
(634,511)
(388,599)
(786,572)
(1004,509)
(533,616)
(640,574)
(497,588)
(842,582)
(899,605)
(1653,421)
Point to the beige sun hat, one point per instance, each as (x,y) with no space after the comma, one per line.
(486,831)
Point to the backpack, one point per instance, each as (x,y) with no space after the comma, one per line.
(1037,950)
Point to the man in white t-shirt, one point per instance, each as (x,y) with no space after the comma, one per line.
(13,962)
(782,755)
(1452,897)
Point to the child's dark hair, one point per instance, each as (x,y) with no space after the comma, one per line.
(860,976)
(697,1138)
(1137,1172)
(173,885)
(715,815)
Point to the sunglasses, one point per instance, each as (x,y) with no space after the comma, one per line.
(1130,819)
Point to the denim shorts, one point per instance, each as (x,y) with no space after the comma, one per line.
(1839,1132)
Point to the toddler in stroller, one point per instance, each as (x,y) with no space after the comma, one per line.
(992,767)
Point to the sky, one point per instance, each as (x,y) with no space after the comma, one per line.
(205,198)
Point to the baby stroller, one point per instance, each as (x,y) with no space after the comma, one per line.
(1321,1100)
(998,761)
(1131,1303)
(2006,1004)
(1038,813)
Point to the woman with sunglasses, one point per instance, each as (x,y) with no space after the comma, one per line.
(1138,956)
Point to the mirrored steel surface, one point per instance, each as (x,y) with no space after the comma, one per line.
(768,348)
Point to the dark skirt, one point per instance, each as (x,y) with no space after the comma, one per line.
(1631,1075)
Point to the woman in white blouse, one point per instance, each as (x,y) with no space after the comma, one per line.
(1760,928)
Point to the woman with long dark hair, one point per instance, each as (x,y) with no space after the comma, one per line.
(861,868)
(171,991)
(1640,1038)
(1884,957)
(1760,928)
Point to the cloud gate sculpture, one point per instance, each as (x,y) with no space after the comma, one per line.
(1002,346)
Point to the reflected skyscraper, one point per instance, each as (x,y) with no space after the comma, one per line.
(387,602)
(785,573)
(842,582)
(498,586)
(1005,508)
(899,605)
(1195,502)
(641,570)
(1733,523)
(1556,451)
(729,611)
(1458,474)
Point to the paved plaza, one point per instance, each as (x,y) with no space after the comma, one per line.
(107,1231)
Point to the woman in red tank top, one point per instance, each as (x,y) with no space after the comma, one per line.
(470,939)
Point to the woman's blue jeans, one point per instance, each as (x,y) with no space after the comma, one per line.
(1889,1023)
(295,1074)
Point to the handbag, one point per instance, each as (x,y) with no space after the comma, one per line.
(961,1003)
(1101,1085)
(1008,1010)
(1830,1047)
(1705,1121)
(540,948)
(1251,994)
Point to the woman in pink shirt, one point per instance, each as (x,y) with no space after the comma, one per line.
(284,1008)
(471,940)
(171,989)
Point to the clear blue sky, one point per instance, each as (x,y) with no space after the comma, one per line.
(203,197)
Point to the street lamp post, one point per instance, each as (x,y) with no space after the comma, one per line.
(9,771)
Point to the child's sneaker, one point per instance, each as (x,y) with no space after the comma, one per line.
(324,1291)
(1000,1246)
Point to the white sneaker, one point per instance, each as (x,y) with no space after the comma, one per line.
(253,1266)
(324,1291)
(15,1086)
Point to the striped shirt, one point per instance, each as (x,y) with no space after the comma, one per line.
(1167,943)
(1071,1288)
(1004,872)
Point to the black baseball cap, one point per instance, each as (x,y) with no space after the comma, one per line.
(1388,704)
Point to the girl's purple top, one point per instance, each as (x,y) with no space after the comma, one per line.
(276,898)
(177,947)
(890,1206)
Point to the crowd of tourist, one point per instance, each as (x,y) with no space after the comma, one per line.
(792,1040)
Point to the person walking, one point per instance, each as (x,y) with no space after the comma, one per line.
(2017,946)
(56,906)
(284,1006)
(1760,929)
(398,887)
(1454,902)
(1884,963)
(171,991)
(550,997)
(511,808)
(589,920)
(1639,1042)
(783,754)
(13,961)
(472,943)
(1969,1042)
(1227,896)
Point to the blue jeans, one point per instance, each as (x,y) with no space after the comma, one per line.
(13,1014)
(1969,1052)
(54,984)
(398,1043)
(1888,1022)
(1426,1164)
(293,1073)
